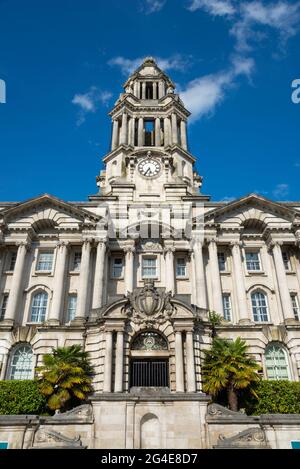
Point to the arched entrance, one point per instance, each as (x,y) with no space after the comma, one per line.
(149,362)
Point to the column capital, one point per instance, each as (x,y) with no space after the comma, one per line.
(272,243)
(211,240)
(87,240)
(63,243)
(236,243)
(26,244)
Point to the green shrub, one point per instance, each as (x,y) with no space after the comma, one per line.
(21,397)
(274,397)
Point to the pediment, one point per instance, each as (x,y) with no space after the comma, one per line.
(253,207)
(47,213)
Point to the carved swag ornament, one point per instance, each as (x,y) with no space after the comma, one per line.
(149,306)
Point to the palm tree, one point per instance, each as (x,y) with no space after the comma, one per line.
(228,367)
(65,377)
(215,320)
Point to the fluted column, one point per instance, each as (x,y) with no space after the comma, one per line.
(179,362)
(108,361)
(161,89)
(282,282)
(167,135)
(174,129)
(131,131)
(59,283)
(84,280)
(119,362)
(239,282)
(99,275)
(141,132)
(215,277)
(183,134)
(144,90)
(129,268)
(155,90)
(136,89)
(157,132)
(115,135)
(16,284)
(124,129)
(169,269)
(190,363)
(199,275)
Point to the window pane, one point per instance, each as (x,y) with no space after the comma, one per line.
(227,307)
(21,366)
(72,305)
(222,261)
(117,268)
(276,362)
(259,307)
(149,267)
(39,307)
(76,261)
(3,307)
(286,260)
(45,261)
(253,261)
(12,262)
(181,267)
(295,306)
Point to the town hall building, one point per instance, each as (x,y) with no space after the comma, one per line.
(132,274)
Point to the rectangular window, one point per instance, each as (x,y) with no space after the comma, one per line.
(149,267)
(180,267)
(12,261)
(227,307)
(3,306)
(76,262)
(222,261)
(286,260)
(117,267)
(295,306)
(72,305)
(45,262)
(253,261)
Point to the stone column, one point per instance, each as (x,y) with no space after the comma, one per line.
(124,129)
(183,134)
(108,361)
(174,129)
(129,268)
(131,131)
(2,259)
(169,269)
(99,275)
(190,362)
(199,275)
(284,293)
(136,89)
(155,90)
(16,284)
(115,135)
(179,362)
(157,132)
(141,132)
(119,362)
(56,311)
(167,136)
(144,90)
(161,89)
(84,281)
(215,277)
(239,282)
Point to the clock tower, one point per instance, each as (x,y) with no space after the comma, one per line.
(149,158)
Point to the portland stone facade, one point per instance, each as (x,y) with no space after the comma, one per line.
(132,274)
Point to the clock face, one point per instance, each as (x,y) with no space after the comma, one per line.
(149,168)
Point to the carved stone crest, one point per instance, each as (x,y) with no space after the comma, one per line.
(51,438)
(149,305)
(249,438)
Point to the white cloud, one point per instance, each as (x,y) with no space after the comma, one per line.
(203,94)
(89,102)
(152,6)
(128,66)
(281,191)
(213,7)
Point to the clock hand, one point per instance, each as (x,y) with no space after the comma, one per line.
(147,171)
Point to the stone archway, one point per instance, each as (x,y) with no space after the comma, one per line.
(150,432)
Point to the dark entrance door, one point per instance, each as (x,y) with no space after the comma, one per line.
(149,373)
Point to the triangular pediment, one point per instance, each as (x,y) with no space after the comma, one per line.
(46,210)
(253,207)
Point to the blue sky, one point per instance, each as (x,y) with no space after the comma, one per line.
(64,62)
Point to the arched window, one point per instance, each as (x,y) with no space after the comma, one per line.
(21,363)
(276,362)
(39,307)
(259,306)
